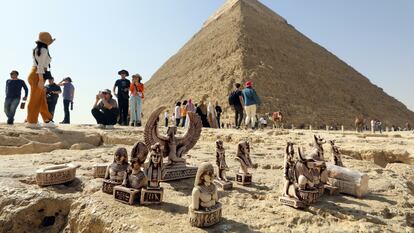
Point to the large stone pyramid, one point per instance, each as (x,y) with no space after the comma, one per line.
(245,40)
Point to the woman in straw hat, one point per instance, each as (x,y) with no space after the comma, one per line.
(135,102)
(37,101)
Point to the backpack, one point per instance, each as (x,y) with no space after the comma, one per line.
(233,98)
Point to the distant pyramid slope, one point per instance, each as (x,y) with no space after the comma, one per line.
(245,40)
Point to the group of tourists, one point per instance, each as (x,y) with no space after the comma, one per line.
(128,110)
(210,114)
(245,99)
(43,98)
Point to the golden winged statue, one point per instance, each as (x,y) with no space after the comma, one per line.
(173,147)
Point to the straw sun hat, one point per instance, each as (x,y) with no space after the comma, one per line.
(45,38)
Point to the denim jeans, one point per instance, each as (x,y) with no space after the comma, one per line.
(135,107)
(10,106)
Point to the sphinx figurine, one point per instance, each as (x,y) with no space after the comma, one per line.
(299,188)
(222,180)
(243,177)
(204,210)
(116,172)
(154,171)
(336,155)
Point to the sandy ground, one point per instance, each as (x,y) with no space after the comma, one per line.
(80,206)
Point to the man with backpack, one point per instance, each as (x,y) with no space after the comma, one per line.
(237,103)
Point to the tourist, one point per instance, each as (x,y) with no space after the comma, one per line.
(105,110)
(183,112)
(373,126)
(189,108)
(166,118)
(378,124)
(177,113)
(236,102)
(123,85)
(39,73)
(211,115)
(250,101)
(137,96)
(52,95)
(219,111)
(201,110)
(14,87)
(68,96)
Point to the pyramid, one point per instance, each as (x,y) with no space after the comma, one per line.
(245,40)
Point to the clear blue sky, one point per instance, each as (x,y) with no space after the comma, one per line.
(96,38)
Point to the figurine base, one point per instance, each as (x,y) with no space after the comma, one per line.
(178,172)
(200,218)
(331,190)
(58,174)
(243,179)
(108,186)
(126,195)
(292,202)
(225,185)
(99,170)
(151,196)
(308,196)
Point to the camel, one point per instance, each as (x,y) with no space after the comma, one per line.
(359,123)
(277,118)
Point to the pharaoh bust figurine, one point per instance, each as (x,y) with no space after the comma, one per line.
(117,170)
(154,171)
(135,177)
(221,161)
(243,156)
(204,210)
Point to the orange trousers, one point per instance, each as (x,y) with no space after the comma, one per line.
(37,100)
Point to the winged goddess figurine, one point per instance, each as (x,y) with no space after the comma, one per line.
(173,147)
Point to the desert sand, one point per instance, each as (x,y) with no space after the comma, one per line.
(80,206)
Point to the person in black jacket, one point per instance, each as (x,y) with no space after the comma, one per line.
(14,87)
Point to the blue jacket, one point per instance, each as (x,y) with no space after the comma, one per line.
(250,97)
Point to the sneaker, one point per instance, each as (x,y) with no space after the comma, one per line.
(100,126)
(32,125)
(109,127)
(49,124)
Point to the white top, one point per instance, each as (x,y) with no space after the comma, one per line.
(165,115)
(43,61)
(177,112)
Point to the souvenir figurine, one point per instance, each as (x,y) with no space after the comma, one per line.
(204,210)
(153,193)
(221,180)
(299,190)
(336,155)
(243,177)
(134,180)
(116,172)
(174,147)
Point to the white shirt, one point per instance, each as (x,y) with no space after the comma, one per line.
(177,112)
(165,115)
(43,61)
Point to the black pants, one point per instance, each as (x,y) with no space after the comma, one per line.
(66,104)
(51,105)
(166,122)
(183,121)
(218,122)
(123,111)
(177,121)
(105,116)
(238,115)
